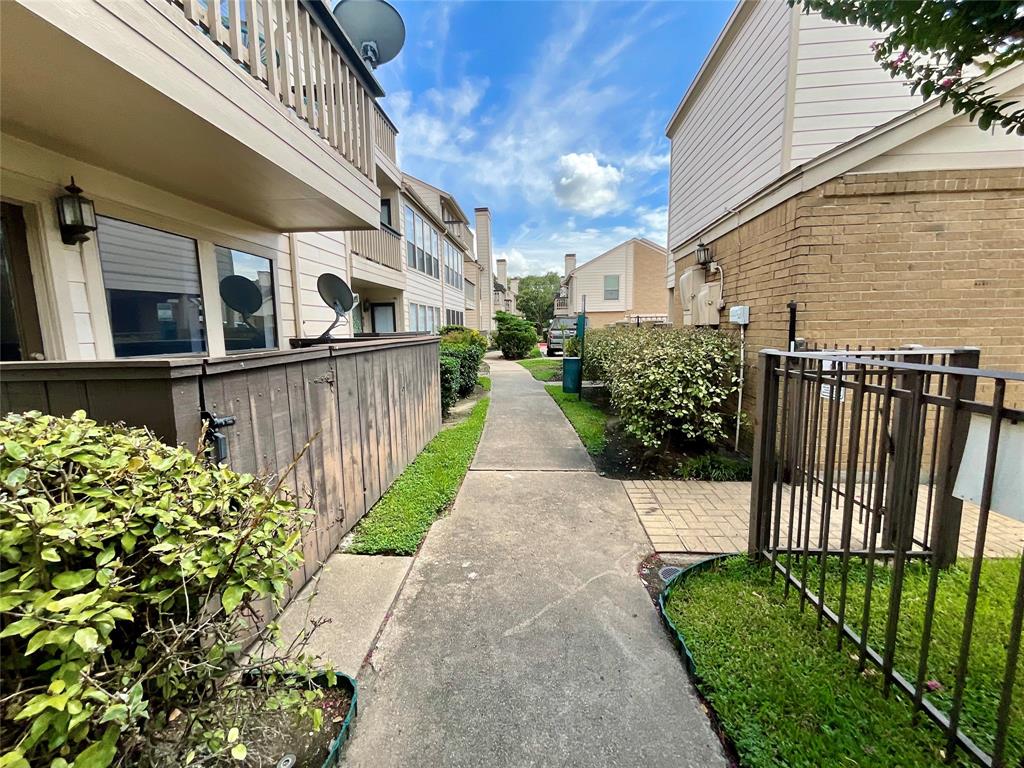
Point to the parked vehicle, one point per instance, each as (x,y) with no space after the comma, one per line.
(561,328)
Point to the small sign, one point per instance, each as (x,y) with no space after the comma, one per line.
(826,389)
(1008,483)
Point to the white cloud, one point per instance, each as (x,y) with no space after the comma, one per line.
(654,224)
(648,162)
(583,185)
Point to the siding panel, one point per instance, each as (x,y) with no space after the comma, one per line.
(735,121)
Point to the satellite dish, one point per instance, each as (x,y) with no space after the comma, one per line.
(336,295)
(242,295)
(374,26)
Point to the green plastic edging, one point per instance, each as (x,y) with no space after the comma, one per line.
(334,755)
(680,641)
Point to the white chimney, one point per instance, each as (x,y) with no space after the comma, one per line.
(570,263)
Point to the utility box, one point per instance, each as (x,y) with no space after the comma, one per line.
(572,375)
(690,284)
(739,315)
(709,298)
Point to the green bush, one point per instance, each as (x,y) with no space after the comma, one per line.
(468,357)
(572,347)
(668,383)
(450,379)
(515,336)
(130,570)
(458,335)
(600,346)
(714,466)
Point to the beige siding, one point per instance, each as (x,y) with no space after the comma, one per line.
(424,290)
(316,253)
(957,144)
(588,280)
(840,91)
(729,142)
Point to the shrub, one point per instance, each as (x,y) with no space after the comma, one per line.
(572,347)
(515,336)
(468,357)
(130,570)
(669,383)
(450,377)
(714,466)
(600,347)
(459,335)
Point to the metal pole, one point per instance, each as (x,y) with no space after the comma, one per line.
(792,326)
(739,397)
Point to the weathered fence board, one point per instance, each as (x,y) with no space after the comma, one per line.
(365,409)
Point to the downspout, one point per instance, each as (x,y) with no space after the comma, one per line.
(293,257)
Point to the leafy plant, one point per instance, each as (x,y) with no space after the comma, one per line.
(716,467)
(450,378)
(536,297)
(468,357)
(456,334)
(933,45)
(572,347)
(667,383)
(515,336)
(131,569)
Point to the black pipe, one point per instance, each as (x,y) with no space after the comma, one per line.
(792,326)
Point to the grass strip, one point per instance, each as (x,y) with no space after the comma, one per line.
(398,522)
(484,382)
(543,368)
(786,697)
(589,421)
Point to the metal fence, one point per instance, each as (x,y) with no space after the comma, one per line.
(874,470)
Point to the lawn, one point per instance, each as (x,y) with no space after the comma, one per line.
(484,382)
(543,368)
(786,696)
(589,421)
(398,522)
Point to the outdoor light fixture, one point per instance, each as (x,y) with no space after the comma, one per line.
(76,215)
(703,254)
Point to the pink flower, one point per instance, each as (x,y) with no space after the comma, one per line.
(933,685)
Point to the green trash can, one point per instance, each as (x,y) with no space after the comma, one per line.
(572,375)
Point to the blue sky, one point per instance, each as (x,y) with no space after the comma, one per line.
(552,114)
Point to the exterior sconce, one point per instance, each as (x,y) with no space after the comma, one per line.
(76,215)
(703,254)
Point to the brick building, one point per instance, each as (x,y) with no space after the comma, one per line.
(888,221)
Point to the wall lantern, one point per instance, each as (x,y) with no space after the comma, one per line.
(76,215)
(703,254)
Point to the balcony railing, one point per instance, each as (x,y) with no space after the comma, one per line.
(383,246)
(561,305)
(280,44)
(385,134)
(460,233)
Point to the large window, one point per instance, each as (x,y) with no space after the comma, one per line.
(422,244)
(611,287)
(246,285)
(153,290)
(424,318)
(452,265)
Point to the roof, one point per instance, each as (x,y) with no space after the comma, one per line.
(742,9)
(643,240)
(444,196)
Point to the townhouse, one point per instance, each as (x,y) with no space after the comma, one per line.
(801,173)
(625,284)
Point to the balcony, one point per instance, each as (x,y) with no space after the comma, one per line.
(260,109)
(562,306)
(383,246)
(460,233)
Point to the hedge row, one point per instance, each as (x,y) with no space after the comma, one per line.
(462,350)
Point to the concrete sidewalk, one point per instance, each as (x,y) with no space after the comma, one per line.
(523,636)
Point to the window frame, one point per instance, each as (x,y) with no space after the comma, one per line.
(616,289)
(274,305)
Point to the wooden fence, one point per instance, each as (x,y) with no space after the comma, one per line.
(365,407)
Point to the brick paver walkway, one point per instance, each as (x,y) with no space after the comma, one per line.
(705,517)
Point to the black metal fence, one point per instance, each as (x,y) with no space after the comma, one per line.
(877,471)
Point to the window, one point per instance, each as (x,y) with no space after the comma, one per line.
(611,287)
(421,256)
(423,319)
(410,237)
(414,317)
(434,254)
(153,290)
(247,300)
(385,211)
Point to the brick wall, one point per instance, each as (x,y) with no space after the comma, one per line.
(929,257)
(650,296)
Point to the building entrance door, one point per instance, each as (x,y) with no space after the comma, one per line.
(20,335)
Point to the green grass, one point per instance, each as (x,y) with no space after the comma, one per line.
(398,522)
(589,421)
(484,382)
(543,368)
(535,352)
(787,697)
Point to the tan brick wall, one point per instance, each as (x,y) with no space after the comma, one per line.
(931,257)
(650,296)
(602,319)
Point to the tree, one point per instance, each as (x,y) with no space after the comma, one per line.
(536,298)
(935,45)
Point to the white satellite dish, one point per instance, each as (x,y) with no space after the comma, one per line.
(375,26)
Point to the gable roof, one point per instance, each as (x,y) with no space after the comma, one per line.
(644,240)
(446,196)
